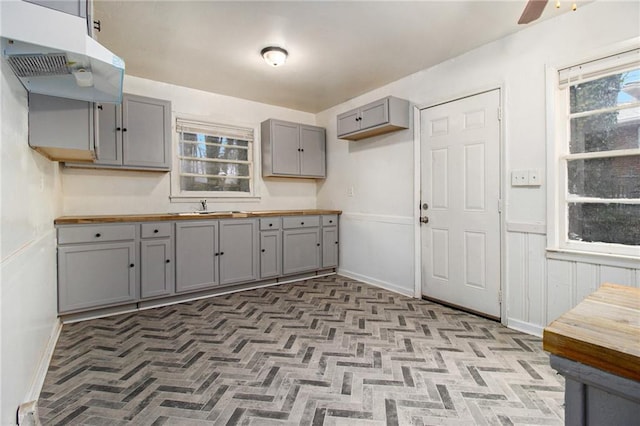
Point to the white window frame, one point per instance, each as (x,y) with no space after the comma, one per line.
(241,130)
(607,63)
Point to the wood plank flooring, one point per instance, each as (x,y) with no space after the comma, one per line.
(317,352)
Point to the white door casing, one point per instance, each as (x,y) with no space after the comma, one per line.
(460,183)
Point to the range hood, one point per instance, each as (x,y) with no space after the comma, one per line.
(52,54)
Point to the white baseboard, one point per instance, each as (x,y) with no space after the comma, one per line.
(43,366)
(378,283)
(525,327)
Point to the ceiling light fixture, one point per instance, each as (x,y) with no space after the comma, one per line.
(274,56)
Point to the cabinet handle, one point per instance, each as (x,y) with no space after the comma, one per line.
(263,250)
(216,254)
(100,107)
(330,221)
(301,149)
(169,260)
(221,253)
(271,224)
(124,129)
(301,223)
(336,242)
(118,129)
(318,244)
(155,231)
(131,265)
(98,235)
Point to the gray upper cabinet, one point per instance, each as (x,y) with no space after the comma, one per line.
(376,118)
(97,266)
(238,251)
(135,135)
(61,129)
(293,149)
(157,275)
(196,255)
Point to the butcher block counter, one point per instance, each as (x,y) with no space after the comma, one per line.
(155,217)
(596,347)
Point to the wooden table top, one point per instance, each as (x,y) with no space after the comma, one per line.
(153,217)
(603,331)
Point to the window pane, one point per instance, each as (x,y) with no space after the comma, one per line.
(606,131)
(605,92)
(607,223)
(211,168)
(615,177)
(201,183)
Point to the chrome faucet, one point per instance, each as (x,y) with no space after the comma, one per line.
(203,204)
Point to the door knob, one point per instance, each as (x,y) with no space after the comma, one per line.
(424,219)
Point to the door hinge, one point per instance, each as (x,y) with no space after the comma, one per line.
(499,113)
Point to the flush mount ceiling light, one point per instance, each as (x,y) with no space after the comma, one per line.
(274,56)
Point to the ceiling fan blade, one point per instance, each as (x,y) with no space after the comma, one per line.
(532,11)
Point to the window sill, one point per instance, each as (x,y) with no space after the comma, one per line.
(616,260)
(216,198)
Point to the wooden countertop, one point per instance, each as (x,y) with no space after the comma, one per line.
(158,217)
(603,331)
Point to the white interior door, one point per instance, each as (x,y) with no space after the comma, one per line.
(460,173)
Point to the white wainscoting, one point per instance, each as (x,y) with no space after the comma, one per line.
(542,285)
(378,250)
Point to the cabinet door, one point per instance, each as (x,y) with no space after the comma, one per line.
(348,122)
(238,250)
(270,254)
(285,145)
(196,255)
(109,146)
(146,132)
(62,129)
(312,156)
(301,250)
(374,114)
(94,275)
(156,268)
(329,247)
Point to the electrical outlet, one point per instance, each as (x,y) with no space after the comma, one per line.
(519,177)
(535,179)
(350,191)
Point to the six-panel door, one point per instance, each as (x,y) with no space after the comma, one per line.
(196,255)
(96,275)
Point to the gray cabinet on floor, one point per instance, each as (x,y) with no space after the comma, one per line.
(300,244)
(238,251)
(135,135)
(97,266)
(270,247)
(293,150)
(330,241)
(157,275)
(196,255)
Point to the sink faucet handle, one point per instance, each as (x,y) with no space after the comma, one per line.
(203,203)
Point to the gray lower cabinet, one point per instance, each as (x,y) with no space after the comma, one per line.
(157,274)
(95,274)
(196,255)
(300,244)
(238,251)
(270,254)
(330,241)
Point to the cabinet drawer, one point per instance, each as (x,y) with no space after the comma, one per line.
(269,223)
(300,222)
(330,220)
(96,233)
(157,229)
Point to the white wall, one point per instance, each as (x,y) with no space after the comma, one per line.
(381,169)
(30,200)
(121,192)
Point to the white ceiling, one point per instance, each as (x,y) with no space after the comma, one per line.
(337,49)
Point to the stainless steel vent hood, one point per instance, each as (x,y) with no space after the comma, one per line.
(52,54)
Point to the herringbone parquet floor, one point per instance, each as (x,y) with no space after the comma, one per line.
(325,351)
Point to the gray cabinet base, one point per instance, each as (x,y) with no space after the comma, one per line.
(596,397)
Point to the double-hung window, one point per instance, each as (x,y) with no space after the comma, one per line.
(598,156)
(214,160)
